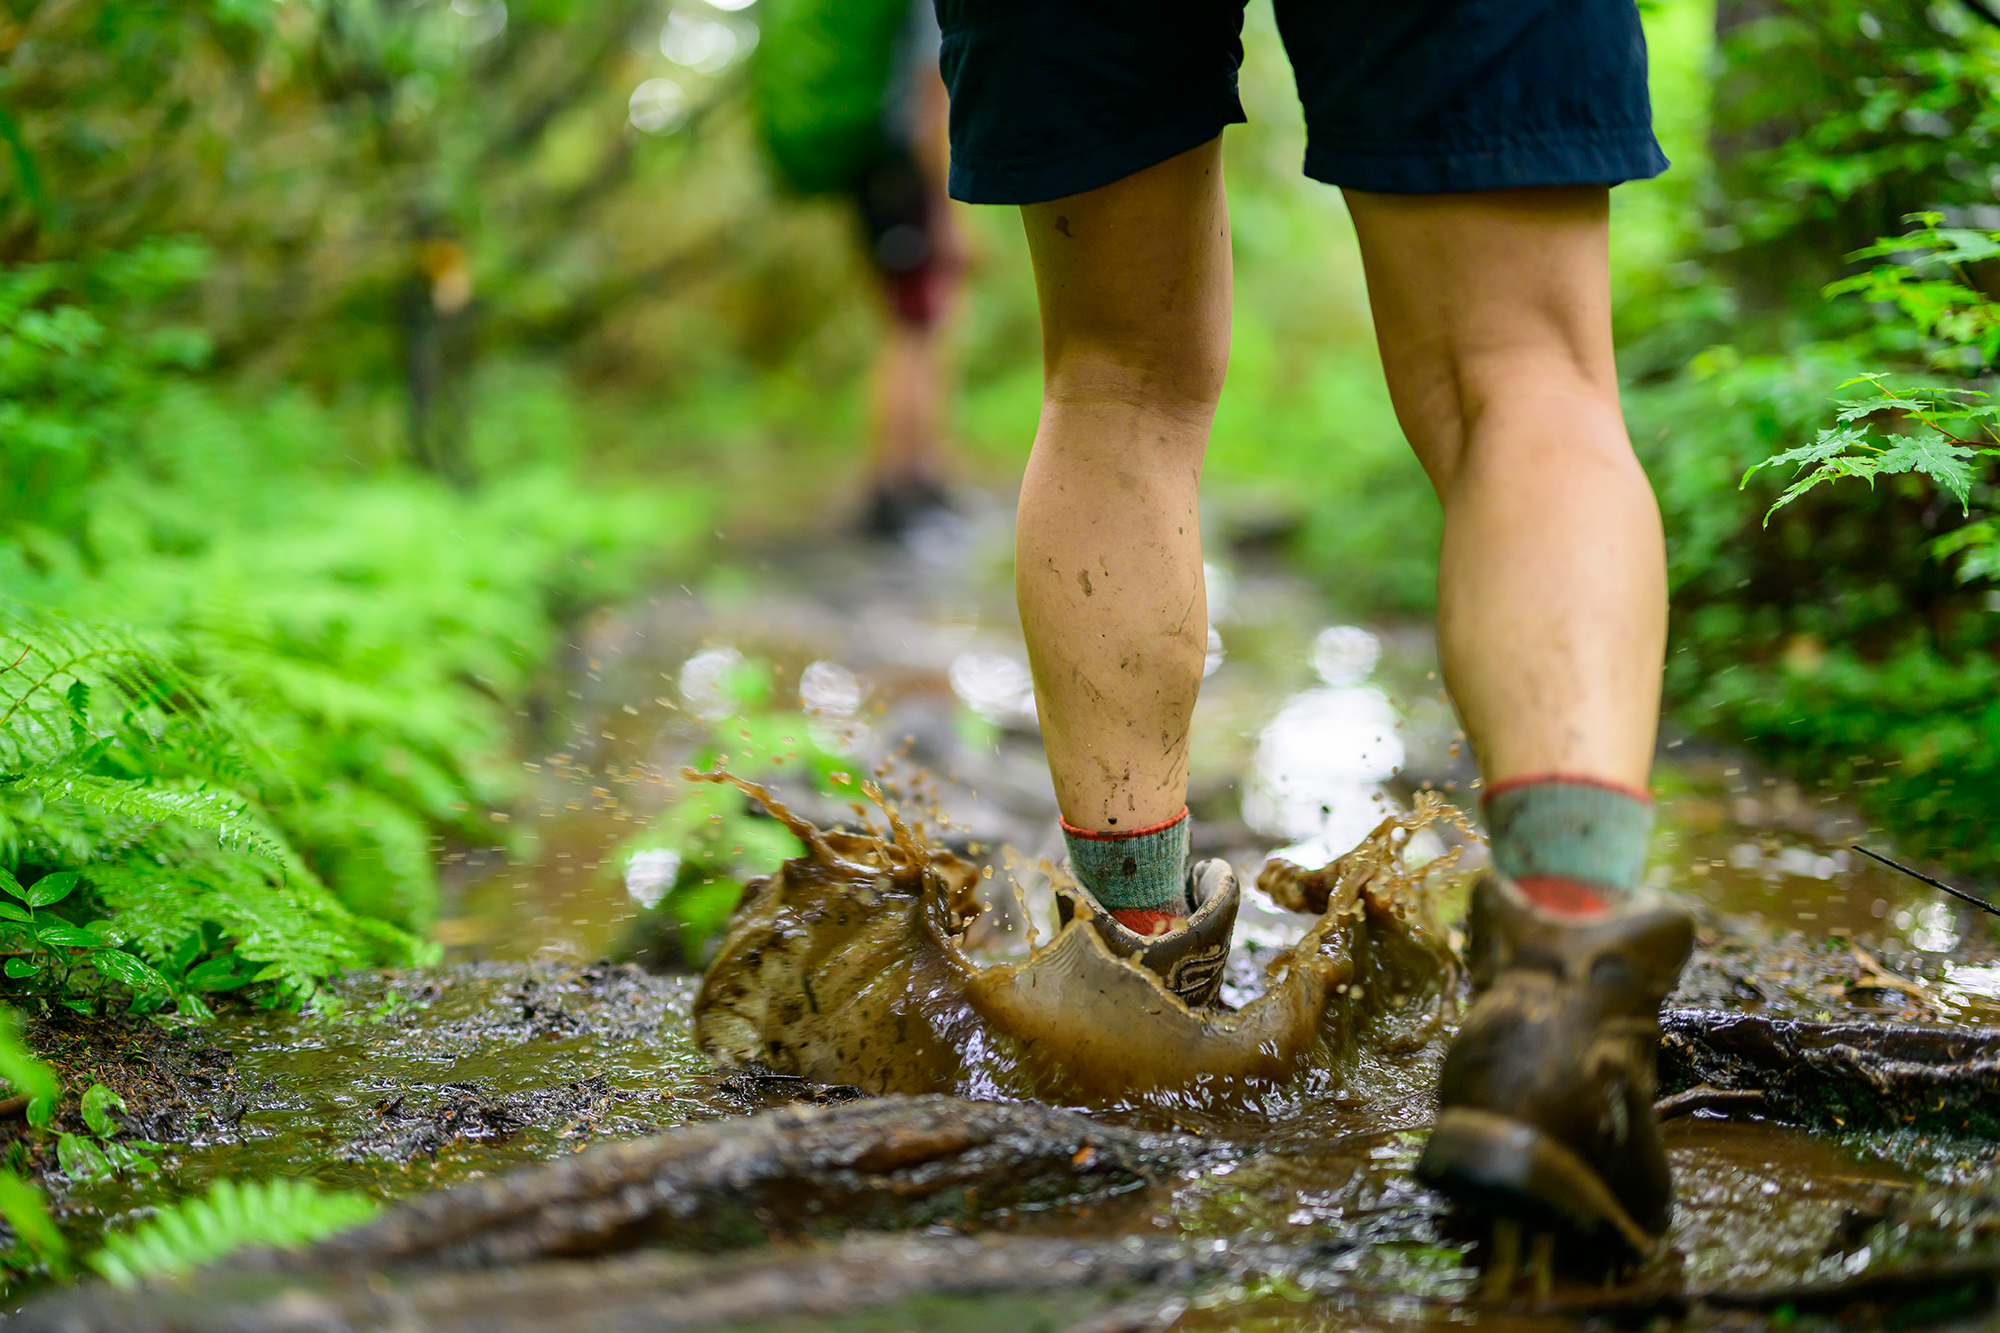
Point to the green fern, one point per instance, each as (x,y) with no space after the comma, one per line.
(119,767)
(274,1213)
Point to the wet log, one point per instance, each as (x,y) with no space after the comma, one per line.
(664,1292)
(658,1292)
(881,1164)
(1841,1077)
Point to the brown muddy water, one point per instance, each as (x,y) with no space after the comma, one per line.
(1310,731)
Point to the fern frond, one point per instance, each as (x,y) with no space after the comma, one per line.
(277,1214)
(112,801)
(89,694)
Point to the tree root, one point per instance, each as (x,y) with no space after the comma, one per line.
(1840,1076)
(886,1163)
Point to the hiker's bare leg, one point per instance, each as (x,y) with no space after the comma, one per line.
(1494,316)
(912,382)
(907,443)
(1134,287)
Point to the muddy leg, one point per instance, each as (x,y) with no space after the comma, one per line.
(1134,287)
(1494,316)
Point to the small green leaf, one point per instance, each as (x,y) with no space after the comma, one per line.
(80,1159)
(97,1105)
(13,913)
(52,888)
(78,698)
(134,972)
(8,884)
(41,1111)
(1944,461)
(53,930)
(217,974)
(21,968)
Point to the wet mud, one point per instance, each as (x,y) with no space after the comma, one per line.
(505,1254)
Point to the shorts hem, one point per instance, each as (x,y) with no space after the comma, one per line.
(1595,158)
(1042,180)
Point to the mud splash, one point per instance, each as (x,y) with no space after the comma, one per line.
(850,965)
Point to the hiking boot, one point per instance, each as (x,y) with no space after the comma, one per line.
(1187,949)
(1545,1102)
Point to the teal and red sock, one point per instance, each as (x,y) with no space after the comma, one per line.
(1139,875)
(1571,844)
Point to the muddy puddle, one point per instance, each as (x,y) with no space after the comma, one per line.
(906,660)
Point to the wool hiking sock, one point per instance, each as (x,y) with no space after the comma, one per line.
(1571,844)
(1140,876)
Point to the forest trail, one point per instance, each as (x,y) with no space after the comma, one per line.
(524,1048)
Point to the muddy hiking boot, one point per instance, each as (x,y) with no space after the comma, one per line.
(1188,949)
(1545,1103)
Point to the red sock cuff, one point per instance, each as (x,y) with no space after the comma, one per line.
(1567,779)
(1120,835)
(1145,920)
(1569,896)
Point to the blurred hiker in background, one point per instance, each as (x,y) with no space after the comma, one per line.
(849,101)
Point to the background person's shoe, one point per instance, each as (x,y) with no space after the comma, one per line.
(1189,956)
(1545,1102)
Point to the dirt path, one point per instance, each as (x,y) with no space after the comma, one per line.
(525,1049)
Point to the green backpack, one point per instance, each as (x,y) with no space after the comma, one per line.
(821,86)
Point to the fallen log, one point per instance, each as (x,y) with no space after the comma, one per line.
(647,1292)
(883,1164)
(664,1292)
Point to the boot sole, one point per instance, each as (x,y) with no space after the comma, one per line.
(1506,1167)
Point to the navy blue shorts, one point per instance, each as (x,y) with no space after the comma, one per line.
(1050,98)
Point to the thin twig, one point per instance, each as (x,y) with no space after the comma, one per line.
(1934,883)
(1705,1098)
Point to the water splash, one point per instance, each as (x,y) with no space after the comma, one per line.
(850,966)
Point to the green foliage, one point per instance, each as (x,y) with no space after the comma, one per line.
(1932,287)
(340,156)
(1836,118)
(1945,432)
(276,1214)
(119,769)
(1838,637)
(1938,434)
(101,1155)
(376,631)
(37,1242)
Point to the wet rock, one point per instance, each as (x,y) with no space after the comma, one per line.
(756,1088)
(421,1121)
